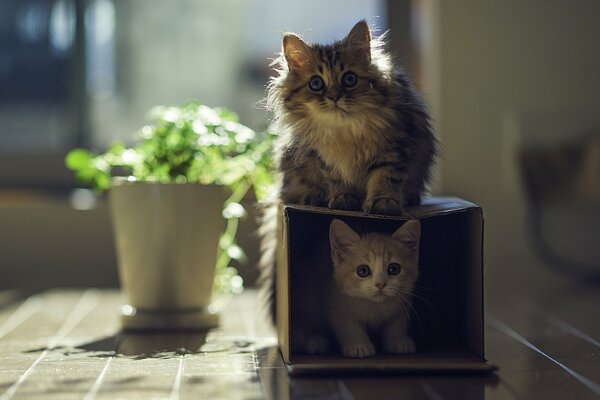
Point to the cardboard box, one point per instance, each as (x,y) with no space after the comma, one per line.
(448,299)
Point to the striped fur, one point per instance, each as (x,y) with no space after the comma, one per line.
(368,147)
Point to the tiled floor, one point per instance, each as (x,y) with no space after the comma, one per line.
(65,344)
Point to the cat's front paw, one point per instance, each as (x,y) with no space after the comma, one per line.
(383,205)
(358,350)
(317,344)
(404,345)
(315,197)
(345,201)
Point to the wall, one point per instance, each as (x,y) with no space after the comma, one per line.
(512,73)
(44,243)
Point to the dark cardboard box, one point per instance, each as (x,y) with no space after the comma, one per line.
(448,299)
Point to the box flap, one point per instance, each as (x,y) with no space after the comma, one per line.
(282,283)
(431,206)
(442,360)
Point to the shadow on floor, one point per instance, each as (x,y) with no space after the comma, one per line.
(139,346)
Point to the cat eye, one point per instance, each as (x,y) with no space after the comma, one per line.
(316,84)
(363,271)
(394,269)
(349,80)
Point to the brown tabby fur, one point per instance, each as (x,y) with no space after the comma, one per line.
(368,147)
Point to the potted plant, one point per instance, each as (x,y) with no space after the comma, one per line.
(175,200)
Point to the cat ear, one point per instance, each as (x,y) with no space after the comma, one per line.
(359,39)
(409,233)
(296,52)
(341,238)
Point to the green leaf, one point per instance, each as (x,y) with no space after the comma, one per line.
(227,115)
(78,159)
(235,252)
(225,241)
(102,182)
(116,148)
(234,210)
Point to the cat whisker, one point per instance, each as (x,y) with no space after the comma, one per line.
(411,294)
(407,308)
(420,298)
(405,298)
(426,288)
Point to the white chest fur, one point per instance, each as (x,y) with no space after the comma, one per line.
(367,313)
(347,145)
(349,161)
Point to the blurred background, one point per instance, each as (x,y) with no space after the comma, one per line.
(513,87)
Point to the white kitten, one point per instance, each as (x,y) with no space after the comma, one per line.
(373,278)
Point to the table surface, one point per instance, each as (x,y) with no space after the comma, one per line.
(66,344)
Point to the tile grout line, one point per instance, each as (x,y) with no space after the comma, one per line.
(176,391)
(93,392)
(502,327)
(343,390)
(96,386)
(21,314)
(430,390)
(84,306)
(551,319)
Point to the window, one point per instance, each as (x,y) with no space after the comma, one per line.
(84,73)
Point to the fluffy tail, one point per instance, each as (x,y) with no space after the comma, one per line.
(267,263)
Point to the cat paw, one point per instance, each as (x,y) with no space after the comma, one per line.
(383,205)
(399,346)
(317,344)
(345,201)
(315,197)
(358,350)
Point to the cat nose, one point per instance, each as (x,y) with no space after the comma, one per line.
(333,96)
(380,286)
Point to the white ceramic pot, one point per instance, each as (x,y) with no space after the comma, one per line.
(166,238)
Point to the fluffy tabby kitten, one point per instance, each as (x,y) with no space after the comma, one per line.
(374,275)
(354,134)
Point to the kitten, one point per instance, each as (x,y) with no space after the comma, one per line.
(373,278)
(354,134)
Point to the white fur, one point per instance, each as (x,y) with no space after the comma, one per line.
(357,308)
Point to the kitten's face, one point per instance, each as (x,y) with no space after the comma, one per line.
(334,85)
(376,267)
